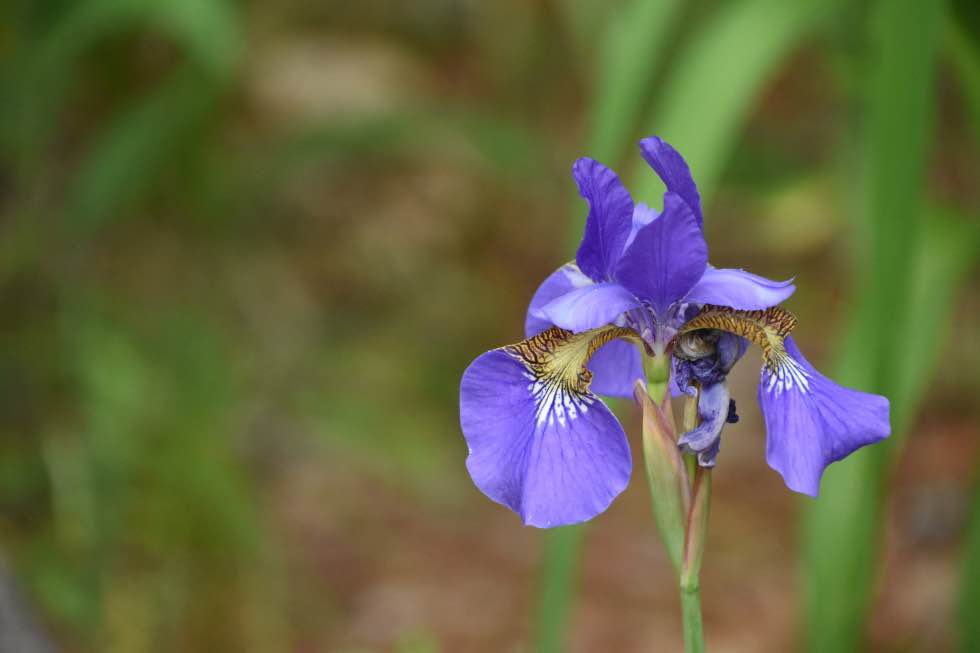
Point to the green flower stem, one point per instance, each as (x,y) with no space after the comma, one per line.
(680,492)
(562,548)
(697,524)
(657,369)
(691,618)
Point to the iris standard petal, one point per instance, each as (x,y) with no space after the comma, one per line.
(667,257)
(672,169)
(590,307)
(642,216)
(739,289)
(610,218)
(812,422)
(563,280)
(539,441)
(615,369)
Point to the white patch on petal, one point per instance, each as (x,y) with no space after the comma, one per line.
(788,375)
(555,402)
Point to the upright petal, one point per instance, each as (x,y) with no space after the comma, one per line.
(739,289)
(667,257)
(616,365)
(672,169)
(610,218)
(812,422)
(565,279)
(590,307)
(540,442)
(642,216)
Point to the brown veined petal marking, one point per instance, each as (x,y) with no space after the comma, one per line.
(768,329)
(555,361)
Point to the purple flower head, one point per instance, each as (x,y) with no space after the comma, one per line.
(541,441)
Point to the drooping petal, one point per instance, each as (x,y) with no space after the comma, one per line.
(610,218)
(667,257)
(615,369)
(739,289)
(713,409)
(590,307)
(812,422)
(616,365)
(540,442)
(563,280)
(672,169)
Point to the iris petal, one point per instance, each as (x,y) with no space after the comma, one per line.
(739,289)
(667,257)
(563,280)
(812,422)
(672,169)
(610,218)
(705,438)
(616,368)
(590,307)
(540,442)
(616,365)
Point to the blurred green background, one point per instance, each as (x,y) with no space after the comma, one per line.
(247,249)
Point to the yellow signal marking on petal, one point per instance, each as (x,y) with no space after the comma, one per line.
(768,329)
(558,379)
(558,356)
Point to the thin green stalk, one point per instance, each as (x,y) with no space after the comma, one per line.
(697,526)
(561,554)
(691,618)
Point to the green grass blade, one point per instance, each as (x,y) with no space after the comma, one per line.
(34,85)
(719,73)
(969,599)
(841,528)
(964,54)
(632,45)
(134,149)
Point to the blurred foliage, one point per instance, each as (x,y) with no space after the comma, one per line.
(246,249)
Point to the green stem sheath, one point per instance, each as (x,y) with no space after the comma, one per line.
(680,491)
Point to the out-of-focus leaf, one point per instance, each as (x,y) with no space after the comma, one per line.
(969,595)
(581,20)
(127,158)
(718,75)
(460,135)
(207,32)
(842,526)
(965,57)
(950,247)
(632,45)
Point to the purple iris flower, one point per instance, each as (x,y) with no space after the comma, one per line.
(542,443)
